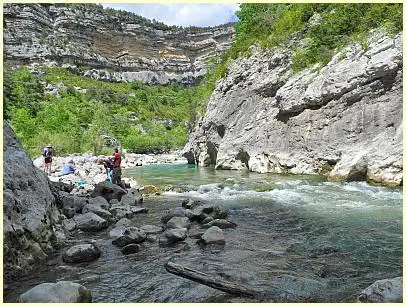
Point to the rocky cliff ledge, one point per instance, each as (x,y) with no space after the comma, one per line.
(114,45)
(30,212)
(343,120)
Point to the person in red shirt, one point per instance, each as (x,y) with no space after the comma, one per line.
(116,160)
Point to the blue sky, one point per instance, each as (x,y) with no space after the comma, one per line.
(183,14)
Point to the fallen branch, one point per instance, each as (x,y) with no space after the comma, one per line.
(213,282)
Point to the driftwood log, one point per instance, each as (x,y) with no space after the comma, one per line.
(214,282)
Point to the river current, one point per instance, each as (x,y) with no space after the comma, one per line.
(298,238)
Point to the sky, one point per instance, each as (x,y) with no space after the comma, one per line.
(183,14)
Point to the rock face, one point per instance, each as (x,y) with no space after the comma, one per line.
(30,212)
(60,292)
(113,45)
(383,291)
(343,120)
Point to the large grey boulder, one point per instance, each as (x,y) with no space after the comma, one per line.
(383,291)
(60,292)
(172,235)
(99,201)
(173,212)
(98,210)
(90,222)
(178,222)
(82,253)
(130,235)
(214,235)
(29,209)
(108,191)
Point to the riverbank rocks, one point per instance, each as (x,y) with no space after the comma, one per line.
(130,235)
(383,291)
(172,235)
(133,197)
(99,201)
(178,222)
(220,223)
(108,191)
(173,212)
(60,292)
(90,222)
(127,211)
(81,253)
(214,235)
(105,214)
(190,204)
(131,249)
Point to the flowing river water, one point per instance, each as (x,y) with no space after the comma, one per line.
(299,238)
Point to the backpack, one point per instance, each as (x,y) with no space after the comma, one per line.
(47,152)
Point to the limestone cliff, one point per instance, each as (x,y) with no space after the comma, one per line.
(29,209)
(343,120)
(113,45)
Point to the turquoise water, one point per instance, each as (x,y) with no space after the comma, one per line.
(298,238)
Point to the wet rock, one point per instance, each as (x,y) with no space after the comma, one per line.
(151,238)
(130,235)
(114,202)
(152,229)
(221,223)
(219,212)
(201,212)
(173,212)
(178,222)
(127,211)
(105,214)
(383,291)
(90,222)
(214,235)
(69,212)
(130,249)
(108,191)
(60,292)
(135,192)
(81,253)
(69,225)
(99,201)
(174,235)
(127,199)
(207,220)
(123,222)
(189,204)
(60,186)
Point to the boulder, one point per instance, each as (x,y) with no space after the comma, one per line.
(214,235)
(149,189)
(207,220)
(176,234)
(220,223)
(178,222)
(190,204)
(173,212)
(60,186)
(130,235)
(130,249)
(219,212)
(383,291)
(99,201)
(152,229)
(82,253)
(69,224)
(105,214)
(60,292)
(108,191)
(135,192)
(90,222)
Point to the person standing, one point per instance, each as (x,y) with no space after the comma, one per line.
(48,152)
(116,167)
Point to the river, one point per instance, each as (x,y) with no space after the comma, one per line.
(298,238)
